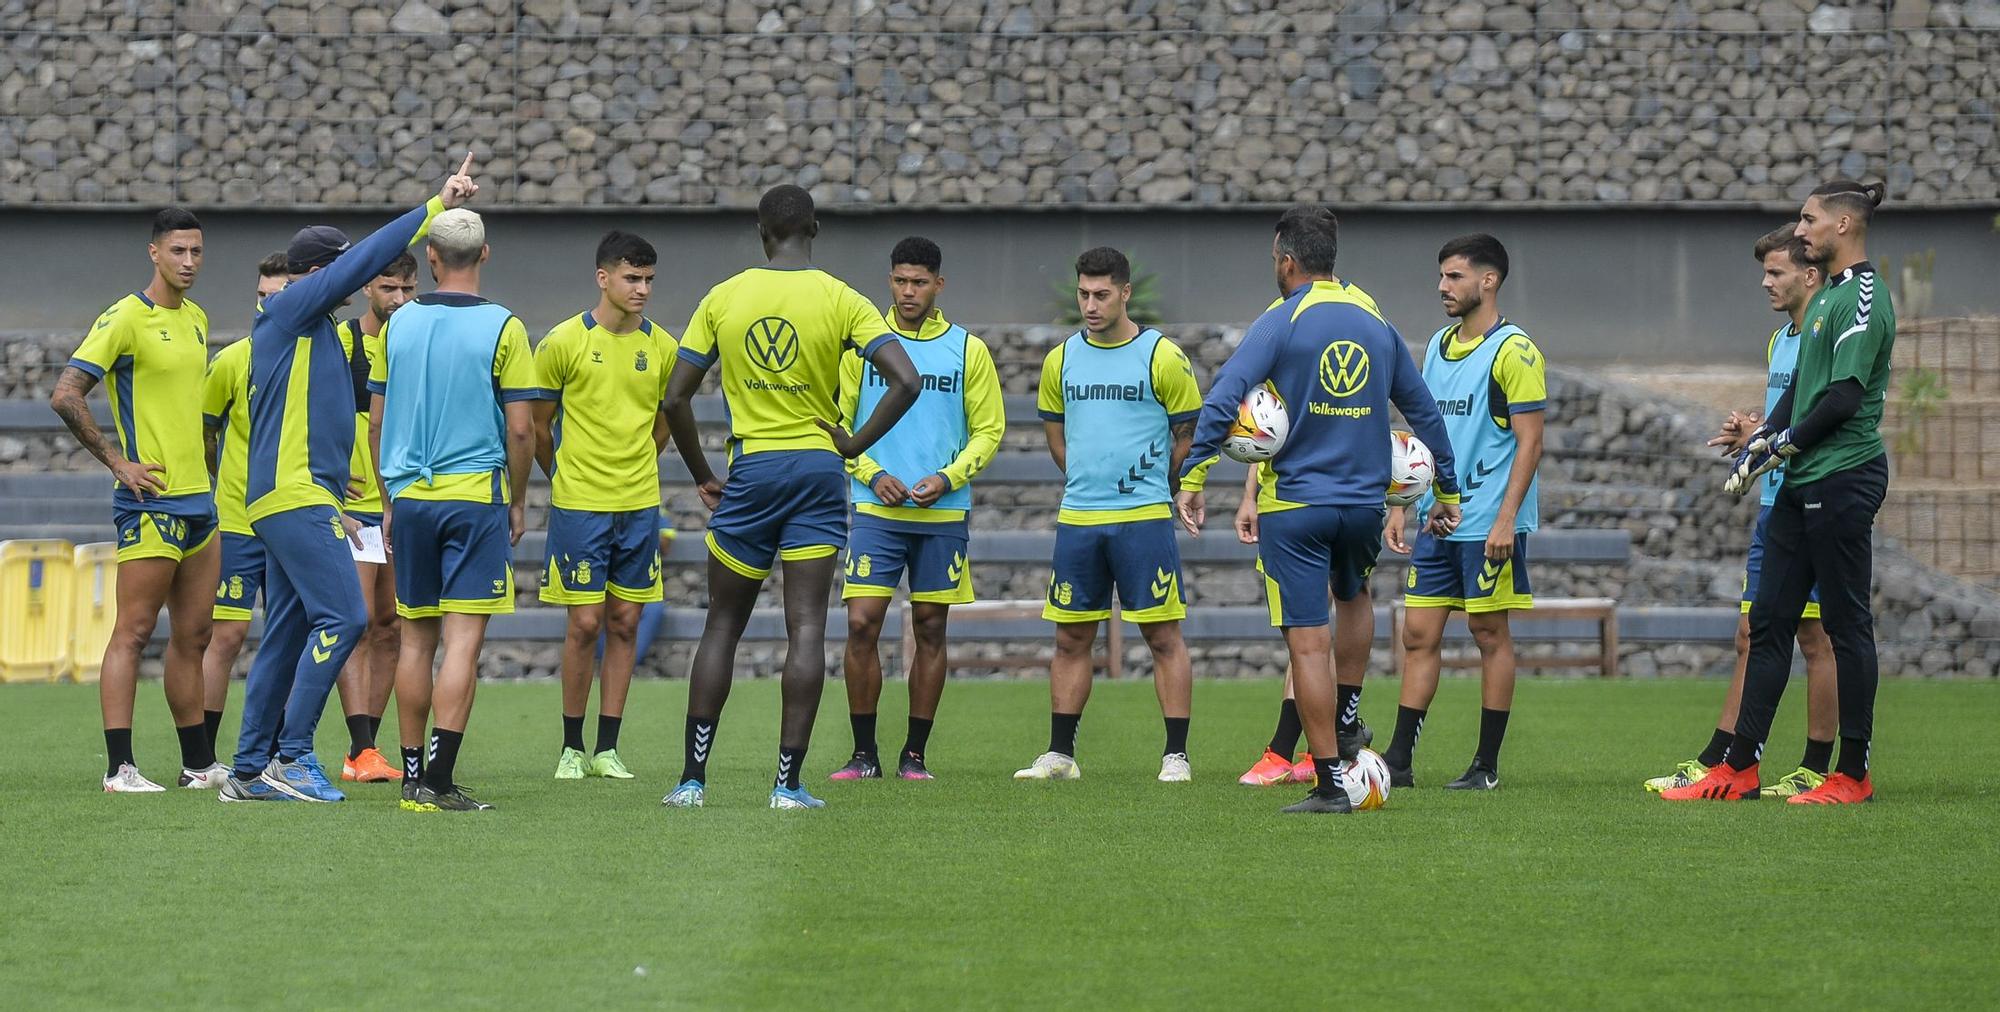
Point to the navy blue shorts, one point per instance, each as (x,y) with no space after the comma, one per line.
(1457,574)
(165,528)
(452,556)
(591,553)
(1306,552)
(878,555)
(242,577)
(1139,559)
(1753,567)
(789,504)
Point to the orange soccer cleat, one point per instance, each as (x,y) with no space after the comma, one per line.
(369,768)
(1302,769)
(1720,783)
(1838,789)
(1272,769)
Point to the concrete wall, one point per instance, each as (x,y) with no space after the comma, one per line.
(1632,286)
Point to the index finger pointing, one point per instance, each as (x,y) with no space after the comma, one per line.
(466,169)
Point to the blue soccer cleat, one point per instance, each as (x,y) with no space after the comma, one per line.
(688,795)
(302,778)
(794,797)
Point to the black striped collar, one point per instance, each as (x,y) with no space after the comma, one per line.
(1864,267)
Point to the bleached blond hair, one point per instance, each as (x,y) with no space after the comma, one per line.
(457,236)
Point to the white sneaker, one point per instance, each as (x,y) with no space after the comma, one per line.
(210,779)
(1050,766)
(1174,769)
(128,781)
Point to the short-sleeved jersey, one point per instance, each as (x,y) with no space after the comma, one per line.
(1850,333)
(779,335)
(1480,385)
(225,407)
(1782,356)
(360,464)
(1118,404)
(607,388)
(450,361)
(149,358)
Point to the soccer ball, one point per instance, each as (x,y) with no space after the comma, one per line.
(1366,780)
(1260,429)
(1410,468)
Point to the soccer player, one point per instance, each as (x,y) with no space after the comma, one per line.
(1328,353)
(1790,281)
(912,499)
(301,442)
(452,423)
(153,346)
(1491,385)
(225,408)
(1118,403)
(778,331)
(370,673)
(1824,432)
(603,374)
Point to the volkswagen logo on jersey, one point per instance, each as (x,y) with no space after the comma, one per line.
(772,343)
(1343,368)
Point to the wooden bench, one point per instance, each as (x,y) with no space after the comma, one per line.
(1112,644)
(1602,610)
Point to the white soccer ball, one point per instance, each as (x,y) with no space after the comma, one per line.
(1411,469)
(1366,780)
(1261,427)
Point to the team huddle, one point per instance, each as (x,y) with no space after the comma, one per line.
(368,479)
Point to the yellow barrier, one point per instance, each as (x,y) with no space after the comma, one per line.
(35,598)
(95,611)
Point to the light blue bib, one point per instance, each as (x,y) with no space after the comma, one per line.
(441,411)
(1784,359)
(935,431)
(1119,442)
(1484,451)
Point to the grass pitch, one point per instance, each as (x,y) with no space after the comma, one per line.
(1567,886)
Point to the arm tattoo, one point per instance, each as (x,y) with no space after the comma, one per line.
(68,401)
(1184,430)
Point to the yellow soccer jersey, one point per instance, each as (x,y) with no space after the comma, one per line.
(360,465)
(1520,374)
(225,405)
(149,359)
(779,335)
(607,388)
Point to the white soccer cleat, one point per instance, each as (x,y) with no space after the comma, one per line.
(210,779)
(128,781)
(1174,769)
(1050,766)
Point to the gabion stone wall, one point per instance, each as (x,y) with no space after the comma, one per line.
(1010,103)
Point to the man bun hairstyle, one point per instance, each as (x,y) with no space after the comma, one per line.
(1310,235)
(174,219)
(458,236)
(621,246)
(1782,238)
(1850,197)
(917,251)
(1104,262)
(1479,250)
(785,211)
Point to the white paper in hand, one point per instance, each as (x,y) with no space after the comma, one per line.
(371,548)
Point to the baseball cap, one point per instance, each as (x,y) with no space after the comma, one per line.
(314,246)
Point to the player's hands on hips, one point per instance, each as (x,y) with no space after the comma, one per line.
(459,188)
(1246,520)
(890,489)
(1392,530)
(356,488)
(1443,519)
(930,490)
(353,529)
(1192,509)
(844,442)
(139,478)
(710,492)
(517,522)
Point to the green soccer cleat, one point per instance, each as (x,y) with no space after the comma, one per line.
(606,764)
(1794,783)
(572,765)
(454,800)
(1683,775)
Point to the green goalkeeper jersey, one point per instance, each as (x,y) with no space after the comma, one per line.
(1850,331)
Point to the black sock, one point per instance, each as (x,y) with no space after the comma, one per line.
(1819,756)
(1492,728)
(196,752)
(443,759)
(1718,747)
(920,737)
(1743,753)
(1853,757)
(360,735)
(790,761)
(375,729)
(607,732)
(413,763)
(117,749)
(696,740)
(864,733)
(573,731)
(1176,736)
(1326,771)
(1350,707)
(1286,737)
(1403,745)
(1062,733)
(211,722)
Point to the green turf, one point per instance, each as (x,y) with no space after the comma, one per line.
(1568,885)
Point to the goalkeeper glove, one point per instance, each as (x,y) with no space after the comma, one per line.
(1766,452)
